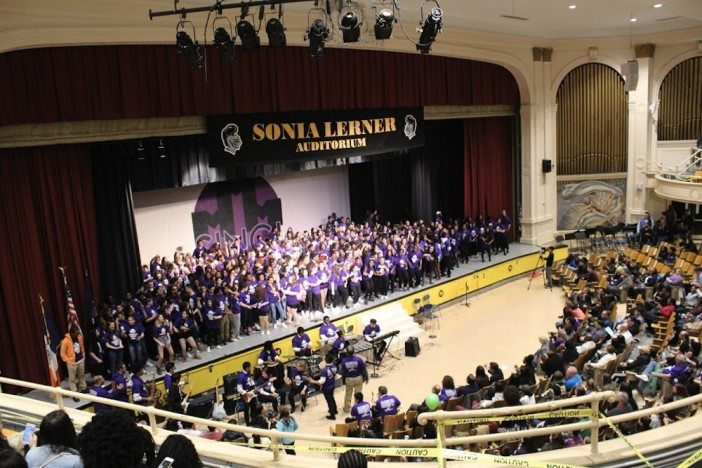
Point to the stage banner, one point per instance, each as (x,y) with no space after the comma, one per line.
(306,136)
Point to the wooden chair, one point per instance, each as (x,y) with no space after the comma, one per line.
(342,430)
(393,424)
(583,358)
(410,417)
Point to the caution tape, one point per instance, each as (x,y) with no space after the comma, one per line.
(623,437)
(497,460)
(692,459)
(520,417)
(413,452)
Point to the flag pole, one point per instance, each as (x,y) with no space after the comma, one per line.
(51,358)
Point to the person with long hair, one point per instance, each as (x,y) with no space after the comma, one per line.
(162,338)
(263,309)
(57,443)
(186,326)
(293,291)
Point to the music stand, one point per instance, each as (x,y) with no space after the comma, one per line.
(580,236)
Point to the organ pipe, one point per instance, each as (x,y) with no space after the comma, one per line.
(591,121)
(680,110)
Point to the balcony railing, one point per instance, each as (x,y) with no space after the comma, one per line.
(443,419)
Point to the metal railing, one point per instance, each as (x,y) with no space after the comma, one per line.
(685,170)
(441,418)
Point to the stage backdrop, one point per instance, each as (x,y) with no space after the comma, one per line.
(171,218)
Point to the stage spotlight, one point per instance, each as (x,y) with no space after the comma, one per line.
(223,41)
(350,27)
(276,33)
(318,34)
(383,24)
(248,35)
(191,50)
(431,27)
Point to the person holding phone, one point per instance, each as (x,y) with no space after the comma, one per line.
(56,444)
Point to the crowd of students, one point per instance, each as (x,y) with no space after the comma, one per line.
(225,291)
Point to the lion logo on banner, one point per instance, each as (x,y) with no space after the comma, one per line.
(410,126)
(231,139)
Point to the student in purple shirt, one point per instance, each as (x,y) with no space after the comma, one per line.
(293,291)
(119,383)
(339,345)
(140,394)
(301,343)
(115,349)
(448,389)
(212,318)
(361,411)
(338,289)
(386,405)
(353,375)
(327,381)
(97,390)
(327,332)
(354,278)
(185,328)
(136,343)
(299,377)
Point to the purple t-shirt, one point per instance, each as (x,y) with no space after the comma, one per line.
(387,405)
(361,411)
(352,366)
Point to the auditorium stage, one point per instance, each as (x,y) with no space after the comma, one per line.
(474,276)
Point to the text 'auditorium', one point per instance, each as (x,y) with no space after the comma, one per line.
(343,233)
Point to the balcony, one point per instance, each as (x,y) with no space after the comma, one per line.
(681,182)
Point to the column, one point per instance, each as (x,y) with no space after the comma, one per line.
(639,135)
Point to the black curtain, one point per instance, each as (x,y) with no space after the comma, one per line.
(381,184)
(118,249)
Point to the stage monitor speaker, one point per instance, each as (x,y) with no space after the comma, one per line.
(201,406)
(630,72)
(546,165)
(412,347)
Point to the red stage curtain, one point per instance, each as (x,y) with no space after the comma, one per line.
(487,167)
(48,220)
(115,82)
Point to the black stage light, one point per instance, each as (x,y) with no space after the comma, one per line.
(191,50)
(432,27)
(247,33)
(350,27)
(383,24)
(223,41)
(318,34)
(276,33)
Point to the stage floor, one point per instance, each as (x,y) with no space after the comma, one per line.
(256,340)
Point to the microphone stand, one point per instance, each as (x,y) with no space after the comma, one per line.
(467,304)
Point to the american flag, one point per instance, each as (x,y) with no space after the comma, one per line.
(71,314)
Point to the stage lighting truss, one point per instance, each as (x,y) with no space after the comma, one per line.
(318,32)
(188,46)
(430,27)
(320,25)
(350,21)
(385,17)
(275,29)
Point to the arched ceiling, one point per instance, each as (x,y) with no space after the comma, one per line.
(37,23)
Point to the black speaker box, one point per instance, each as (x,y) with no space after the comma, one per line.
(412,347)
(201,406)
(230,393)
(546,165)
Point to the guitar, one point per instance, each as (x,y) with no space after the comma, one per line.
(185,403)
(218,411)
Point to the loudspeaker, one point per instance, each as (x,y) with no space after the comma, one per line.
(630,72)
(412,347)
(231,396)
(546,165)
(201,406)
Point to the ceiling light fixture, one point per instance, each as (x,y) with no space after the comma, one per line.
(633,20)
(430,29)
(573,7)
(350,25)
(658,5)
(247,32)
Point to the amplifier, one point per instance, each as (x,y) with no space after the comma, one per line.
(412,347)
(201,405)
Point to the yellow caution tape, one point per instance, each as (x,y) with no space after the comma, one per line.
(497,460)
(623,437)
(692,459)
(520,417)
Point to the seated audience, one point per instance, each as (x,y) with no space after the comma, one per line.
(57,443)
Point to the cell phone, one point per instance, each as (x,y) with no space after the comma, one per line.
(166,463)
(29,430)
